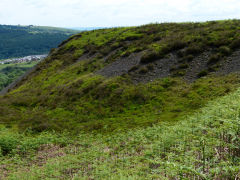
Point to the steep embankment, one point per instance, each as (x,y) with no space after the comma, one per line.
(121,78)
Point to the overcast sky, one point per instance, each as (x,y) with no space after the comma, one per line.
(109,13)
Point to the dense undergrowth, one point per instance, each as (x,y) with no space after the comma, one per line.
(204,145)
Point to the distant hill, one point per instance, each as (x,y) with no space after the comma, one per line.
(19,41)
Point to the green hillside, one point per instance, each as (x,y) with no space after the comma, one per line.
(158,101)
(19,41)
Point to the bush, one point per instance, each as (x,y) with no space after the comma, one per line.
(213,68)
(235,44)
(173,69)
(202,73)
(194,50)
(7,144)
(224,50)
(179,73)
(126,54)
(133,37)
(214,59)
(134,68)
(143,70)
(180,53)
(150,56)
(220,42)
(189,58)
(183,66)
(150,66)
(176,45)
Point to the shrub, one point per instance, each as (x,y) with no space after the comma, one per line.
(157,38)
(165,50)
(143,70)
(173,69)
(179,73)
(194,50)
(214,59)
(134,68)
(189,58)
(180,53)
(176,45)
(220,42)
(150,56)
(133,37)
(183,66)
(235,44)
(126,54)
(213,68)
(150,66)
(224,50)
(105,51)
(202,73)
(7,144)
(115,46)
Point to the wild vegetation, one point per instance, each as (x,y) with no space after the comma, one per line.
(10,72)
(158,101)
(204,145)
(19,41)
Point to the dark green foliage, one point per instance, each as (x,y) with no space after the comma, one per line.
(176,45)
(183,66)
(150,67)
(134,68)
(179,73)
(214,59)
(189,58)
(194,49)
(150,56)
(213,68)
(224,50)
(143,70)
(235,44)
(202,73)
(7,144)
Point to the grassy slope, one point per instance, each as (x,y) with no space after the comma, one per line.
(203,146)
(64,93)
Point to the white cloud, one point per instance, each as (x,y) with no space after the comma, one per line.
(75,13)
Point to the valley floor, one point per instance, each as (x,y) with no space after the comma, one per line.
(205,145)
